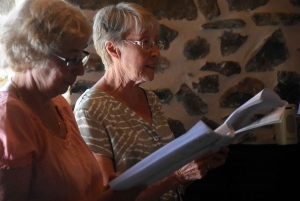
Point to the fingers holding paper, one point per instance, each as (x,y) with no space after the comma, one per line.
(218,158)
(198,168)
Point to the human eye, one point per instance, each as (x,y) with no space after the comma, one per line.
(75,60)
(147,43)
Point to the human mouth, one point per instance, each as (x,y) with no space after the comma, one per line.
(150,66)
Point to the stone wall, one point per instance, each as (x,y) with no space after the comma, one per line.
(218,54)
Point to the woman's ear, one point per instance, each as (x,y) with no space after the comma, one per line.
(111,48)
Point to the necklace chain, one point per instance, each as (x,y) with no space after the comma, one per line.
(21,98)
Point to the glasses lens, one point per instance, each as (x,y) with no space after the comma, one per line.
(76,61)
(147,44)
(85,57)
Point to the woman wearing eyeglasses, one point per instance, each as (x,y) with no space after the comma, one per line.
(42,154)
(120,121)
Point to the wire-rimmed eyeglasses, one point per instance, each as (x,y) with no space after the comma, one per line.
(75,61)
(147,44)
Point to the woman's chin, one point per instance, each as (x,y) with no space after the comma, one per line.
(150,78)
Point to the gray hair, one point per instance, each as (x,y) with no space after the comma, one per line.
(113,22)
(36,28)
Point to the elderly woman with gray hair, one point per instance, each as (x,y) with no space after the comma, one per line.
(42,154)
(122,122)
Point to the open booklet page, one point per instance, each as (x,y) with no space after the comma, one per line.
(196,142)
(199,140)
(265,99)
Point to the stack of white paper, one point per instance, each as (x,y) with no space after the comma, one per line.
(199,140)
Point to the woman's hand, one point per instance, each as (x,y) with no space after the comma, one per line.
(218,158)
(124,195)
(198,168)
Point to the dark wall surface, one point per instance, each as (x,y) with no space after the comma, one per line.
(252,173)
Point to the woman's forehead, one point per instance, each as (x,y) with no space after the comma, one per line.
(73,44)
(152,32)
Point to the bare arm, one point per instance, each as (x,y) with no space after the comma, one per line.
(108,172)
(107,167)
(15,183)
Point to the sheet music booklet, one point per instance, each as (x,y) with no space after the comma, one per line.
(200,139)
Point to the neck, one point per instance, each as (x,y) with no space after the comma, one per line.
(117,88)
(115,82)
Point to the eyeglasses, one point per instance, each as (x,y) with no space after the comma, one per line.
(75,61)
(147,44)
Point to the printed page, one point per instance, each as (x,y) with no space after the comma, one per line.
(196,142)
(272,118)
(199,140)
(234,125)
(231,135)
(266,99)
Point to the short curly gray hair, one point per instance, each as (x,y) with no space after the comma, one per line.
(35,28)
(113,22)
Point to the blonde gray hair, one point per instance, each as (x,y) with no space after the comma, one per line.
(113,22)
(36,28)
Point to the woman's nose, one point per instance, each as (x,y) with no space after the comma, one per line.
(79,70)
(155,51)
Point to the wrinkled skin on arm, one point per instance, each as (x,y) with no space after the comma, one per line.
(109,174)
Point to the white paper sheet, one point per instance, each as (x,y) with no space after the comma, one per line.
(199,140)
